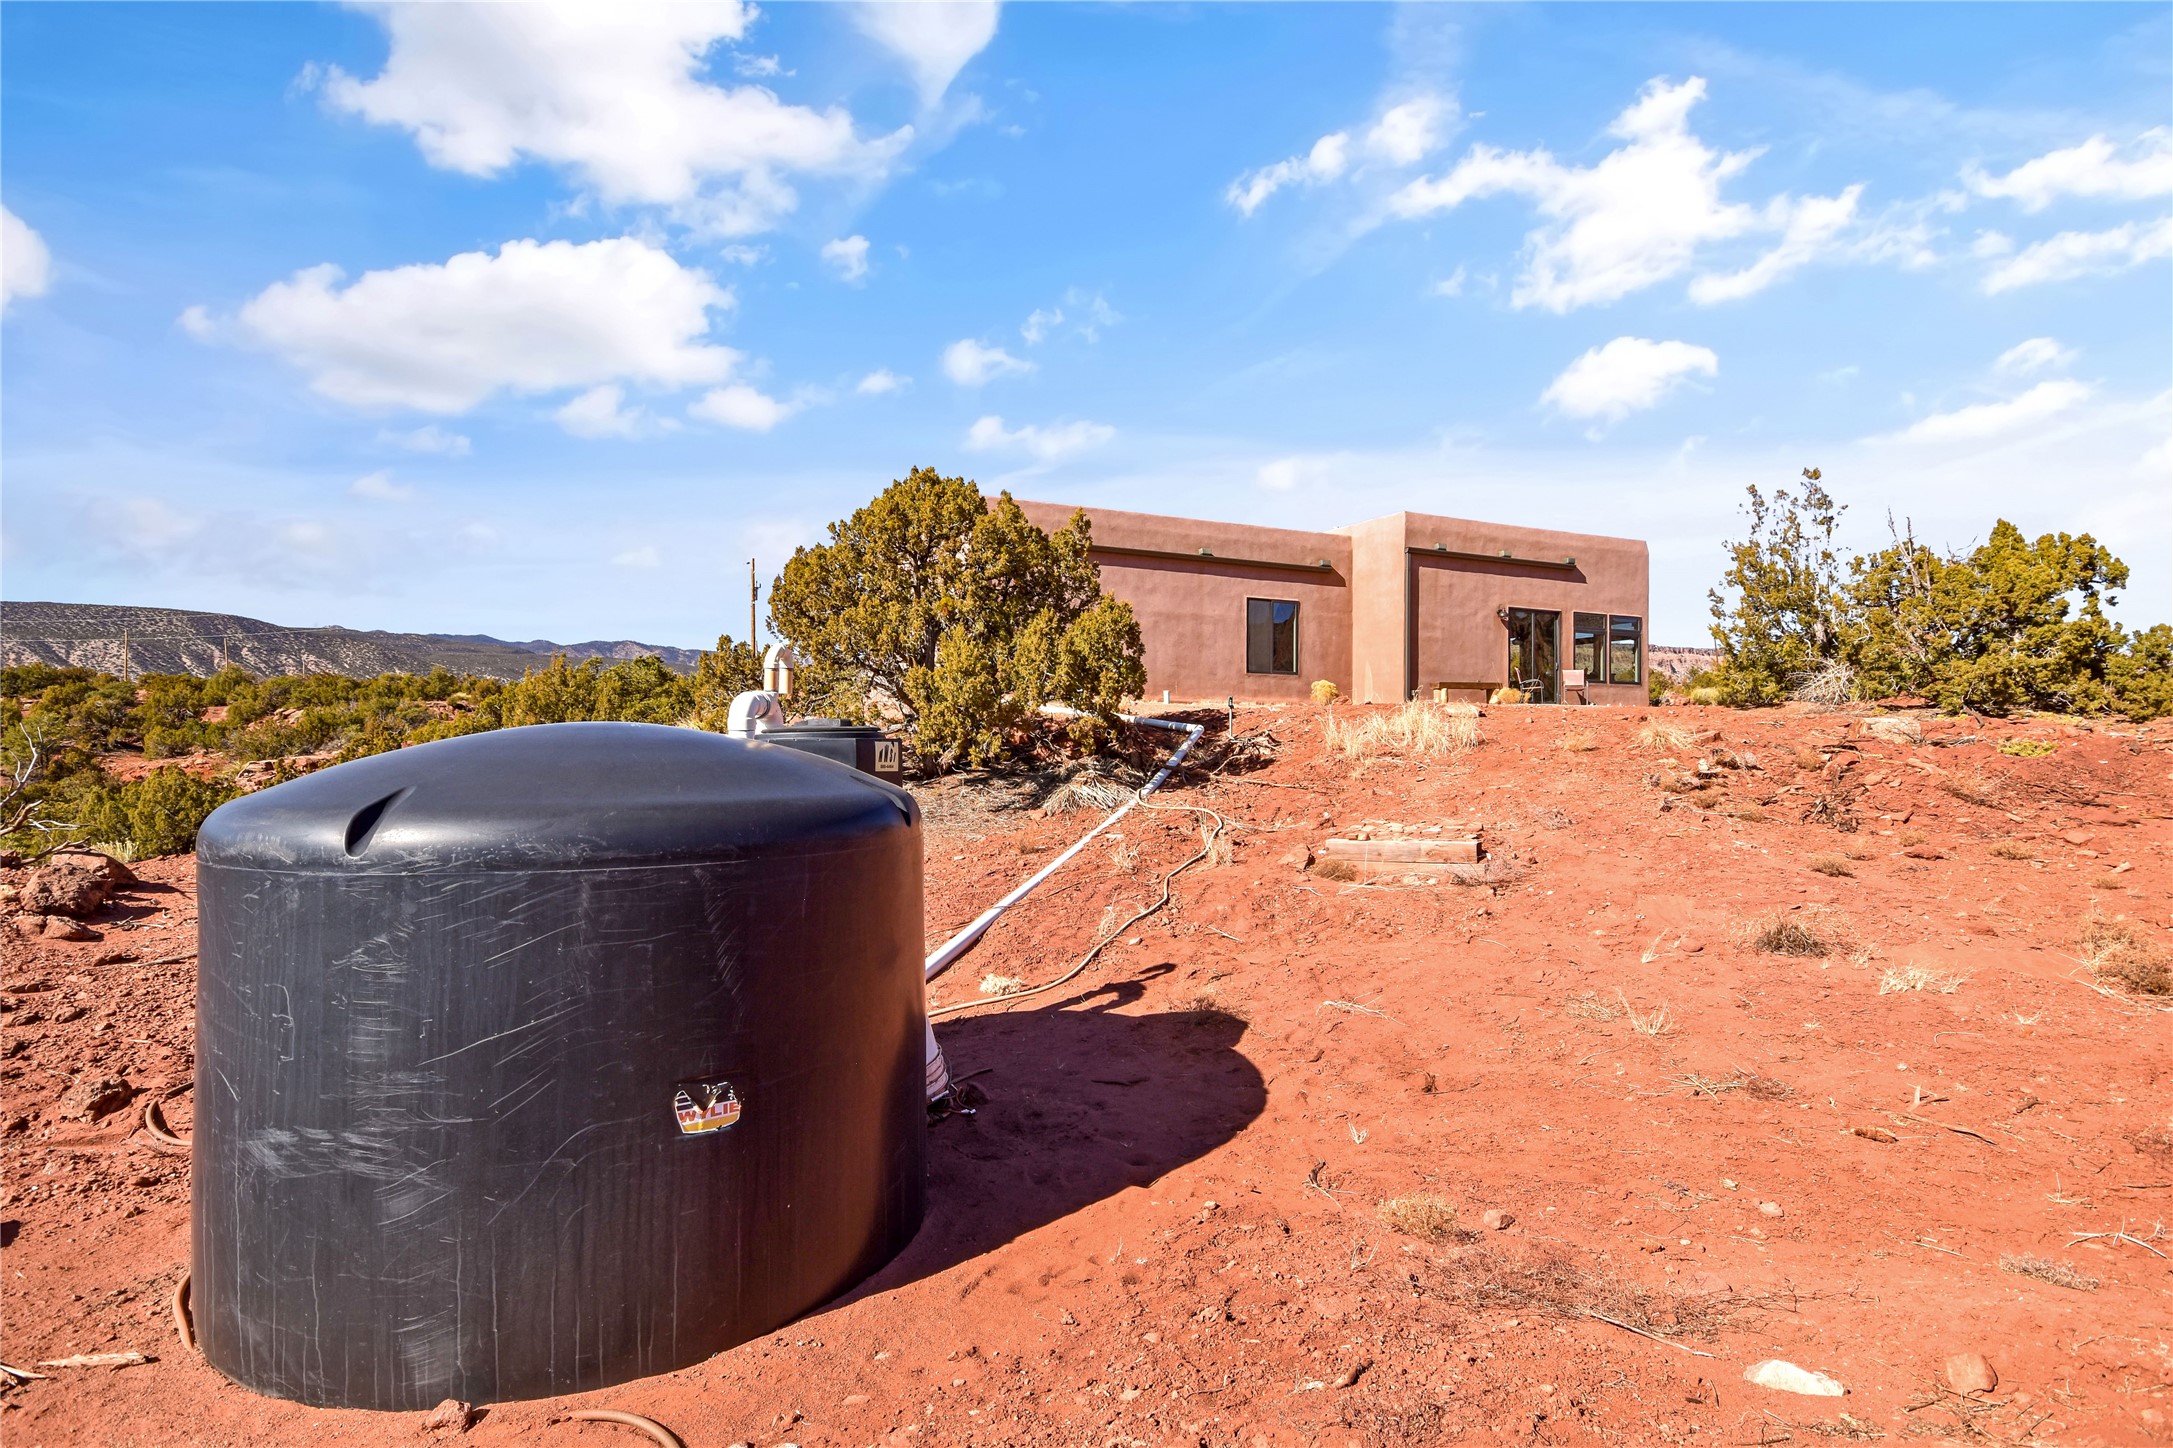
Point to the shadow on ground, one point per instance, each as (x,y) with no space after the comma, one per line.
(1083,1102)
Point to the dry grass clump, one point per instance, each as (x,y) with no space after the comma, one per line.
(1333,869)
(1416,730)
(1325,691)
(1494,870)
(2013,850)
(2121,953)
(1663,738)
(1428,1218)
(2044,1269)
(1833,865)
(1829,686)
(1579,741)
(1647,1023)
(993,984)
(1553,1281)
(2027,748)
(1805,934)
(1900,979)
(1589,1007)
(1810,759)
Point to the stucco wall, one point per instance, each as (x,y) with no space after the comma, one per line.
(1353,625)
(1191,609)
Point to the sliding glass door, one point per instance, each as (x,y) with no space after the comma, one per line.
(1534,638)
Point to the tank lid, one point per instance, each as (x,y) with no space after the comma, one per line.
(552,796)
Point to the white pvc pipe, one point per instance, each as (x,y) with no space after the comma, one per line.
(948,953)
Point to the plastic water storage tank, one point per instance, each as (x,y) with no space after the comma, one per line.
(538,1060)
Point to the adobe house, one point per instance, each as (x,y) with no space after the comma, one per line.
(1406,606)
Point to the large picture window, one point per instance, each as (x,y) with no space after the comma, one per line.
(1271,636)
(1623,636)
(1586,643)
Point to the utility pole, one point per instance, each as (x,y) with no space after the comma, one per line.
(754,595)
(124,655)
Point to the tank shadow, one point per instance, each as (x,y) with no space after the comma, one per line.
(1082,1102)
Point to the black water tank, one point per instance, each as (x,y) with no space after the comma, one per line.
(538,1060)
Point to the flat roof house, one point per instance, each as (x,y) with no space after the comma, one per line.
(1406,606)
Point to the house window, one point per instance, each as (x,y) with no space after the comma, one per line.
(1623,634)
(1271,636)
(1585,645)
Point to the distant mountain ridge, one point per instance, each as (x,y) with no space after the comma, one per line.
(180,641)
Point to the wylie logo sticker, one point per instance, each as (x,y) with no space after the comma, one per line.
(703,1106)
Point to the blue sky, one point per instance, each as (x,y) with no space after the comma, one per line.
(541,323)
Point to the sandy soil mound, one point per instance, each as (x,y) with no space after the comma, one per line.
(1766,1036)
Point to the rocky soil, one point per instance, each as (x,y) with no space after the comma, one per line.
(1558,1154)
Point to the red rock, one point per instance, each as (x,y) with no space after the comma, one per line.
(60,927)
(1925,852)
(1494,1219)
(94,1096)
(452,1413)
(1968,1372)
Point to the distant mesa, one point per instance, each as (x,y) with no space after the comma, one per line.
(178,641)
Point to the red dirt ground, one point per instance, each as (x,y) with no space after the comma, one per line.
(1162,1227)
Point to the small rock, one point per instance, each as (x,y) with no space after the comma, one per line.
(1925,852)
(1771,1209)
(1968,1372)
(60,927)
(1727,1183)
(2078,837)
(452,1413)
(854,1400)
(1300,858)
(1786,1377)
(1691,947)
(1351,1374)
(96,1096)
(1494,1219)
(69,884)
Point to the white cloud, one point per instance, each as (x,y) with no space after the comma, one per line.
(26,266)
(645,556)
(882,380)
(1451,285)
(430,439)
(1039,323)
(599,412)
(1328,159)
(2035,355)
(935,38)
(613,94)
(1402,135)
(970,364)
(2097,169)
(1637,216)
(1808,228)
(742,407)
(380,487)
(1627,375)
(759,67)
(848,257)
(1996,419)
(1405,135)
(1281,475)
(1046,444)
(536,317)
(2074,254)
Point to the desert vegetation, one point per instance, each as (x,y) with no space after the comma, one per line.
(2009,625)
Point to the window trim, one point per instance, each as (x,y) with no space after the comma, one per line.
(1637,665)
(1296,640)
(1598,672)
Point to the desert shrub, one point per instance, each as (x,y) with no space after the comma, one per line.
(2013,850)
(725,672)
(2123,954)
(158,814)
(1810,759)
(1506,695)
(1708,694)
(1664,738)
(2027,748)
(1325,691)
(959,617)
(1833,865)
(2015,623)
(1428,1218)
(1579,741)
(1978,789)
(1805,934)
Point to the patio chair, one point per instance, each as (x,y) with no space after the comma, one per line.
(1573,683)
